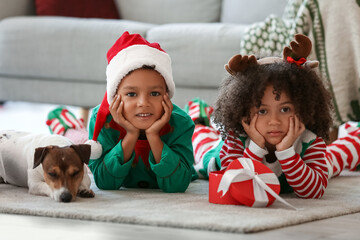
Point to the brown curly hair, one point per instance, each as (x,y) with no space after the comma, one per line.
(304,86)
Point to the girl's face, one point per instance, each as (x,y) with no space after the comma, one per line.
(273,116)
(142,92)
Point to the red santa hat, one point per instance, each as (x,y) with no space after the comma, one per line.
(130,52)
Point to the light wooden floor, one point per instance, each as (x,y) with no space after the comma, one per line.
(13,227)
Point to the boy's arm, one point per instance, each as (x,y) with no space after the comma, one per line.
(109,170)
(307,176)
(173,172)
(153,132)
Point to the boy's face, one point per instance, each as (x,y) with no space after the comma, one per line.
(273,116)
(142,92)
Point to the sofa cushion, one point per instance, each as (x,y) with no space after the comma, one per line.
(9,8)
(72,49)
(78,8)
(40,90)
(170,11)
(199,49)
(247,12)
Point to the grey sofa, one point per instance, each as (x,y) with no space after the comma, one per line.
(62,60)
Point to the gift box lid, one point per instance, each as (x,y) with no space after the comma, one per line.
(251,190)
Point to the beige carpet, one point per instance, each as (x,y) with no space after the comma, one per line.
(187,210)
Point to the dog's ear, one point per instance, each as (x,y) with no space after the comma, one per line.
(39,155)
(84,151)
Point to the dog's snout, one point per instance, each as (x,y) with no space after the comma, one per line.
(65,197)
(62,195)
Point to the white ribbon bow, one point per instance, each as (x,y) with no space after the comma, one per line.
(259,182)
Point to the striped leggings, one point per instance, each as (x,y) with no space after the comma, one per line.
(341,154)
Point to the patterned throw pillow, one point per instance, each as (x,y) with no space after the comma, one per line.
(269,37)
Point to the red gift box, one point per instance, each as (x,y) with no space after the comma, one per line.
(245,182)
(216,197)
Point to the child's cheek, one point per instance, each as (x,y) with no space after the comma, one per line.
(126,109)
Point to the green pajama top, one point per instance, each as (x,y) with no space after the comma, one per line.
(172,174)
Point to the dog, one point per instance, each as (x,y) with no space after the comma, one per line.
(48,165)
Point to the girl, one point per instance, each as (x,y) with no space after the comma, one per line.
(276,112)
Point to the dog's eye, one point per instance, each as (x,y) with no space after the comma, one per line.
(52,174)
(75,173)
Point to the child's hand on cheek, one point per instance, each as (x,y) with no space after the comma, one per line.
(296,128)
(116,109)
(252,132)
(155,128)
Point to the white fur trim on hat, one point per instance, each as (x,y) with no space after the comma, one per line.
(96,149)
(132,58)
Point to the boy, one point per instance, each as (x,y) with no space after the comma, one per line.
(146,140)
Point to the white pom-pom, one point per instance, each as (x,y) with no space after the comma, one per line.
(96,149)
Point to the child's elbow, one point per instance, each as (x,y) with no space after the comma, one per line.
(316,195)
(104,185)
(178,188)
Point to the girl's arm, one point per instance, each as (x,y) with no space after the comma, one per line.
(234,148)
(307,176)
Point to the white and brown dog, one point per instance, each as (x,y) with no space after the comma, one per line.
(47,164)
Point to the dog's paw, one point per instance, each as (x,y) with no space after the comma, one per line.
(86,193)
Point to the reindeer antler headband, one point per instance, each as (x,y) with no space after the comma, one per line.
(297,53)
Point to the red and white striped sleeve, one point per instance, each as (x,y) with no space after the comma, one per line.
(307,176)
(234,148)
